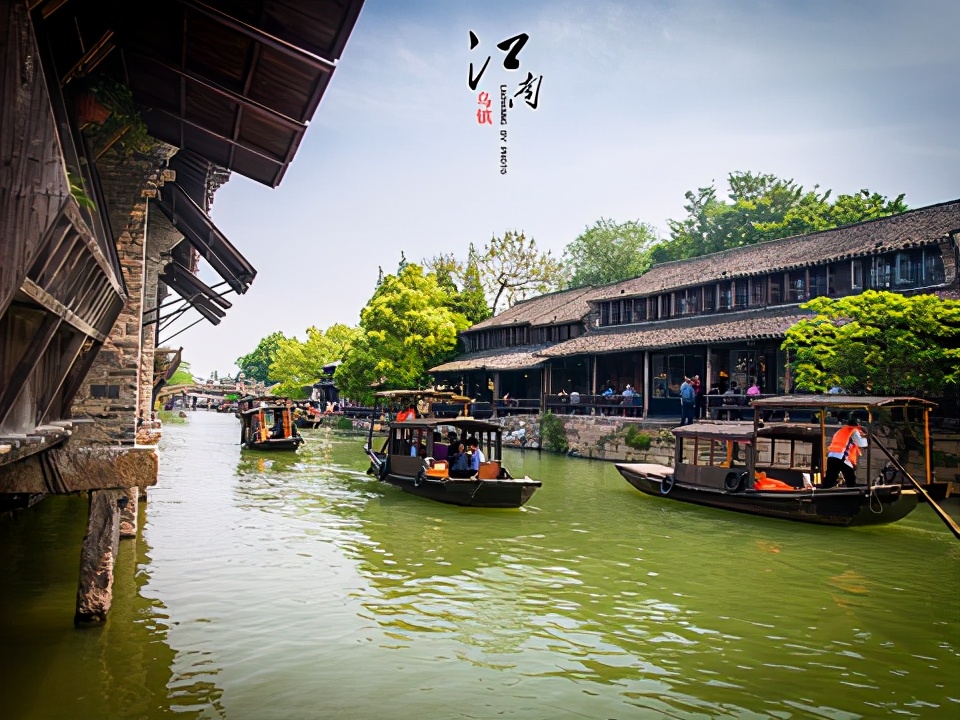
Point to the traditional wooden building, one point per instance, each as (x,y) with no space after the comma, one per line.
(722,316)
(118,122)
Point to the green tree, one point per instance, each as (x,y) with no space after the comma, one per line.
(609,251)
(182,376)
(880,343)
(461,281)
(406,328)
(512,268)
(763,207)
(297,365)
(256,365)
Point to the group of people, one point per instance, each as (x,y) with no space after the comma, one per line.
(465,457)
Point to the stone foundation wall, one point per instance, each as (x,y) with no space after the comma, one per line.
(113,391)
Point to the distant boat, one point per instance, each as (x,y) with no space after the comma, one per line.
(267,424)
(774,469)
(417,458)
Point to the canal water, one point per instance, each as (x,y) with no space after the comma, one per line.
(296,586)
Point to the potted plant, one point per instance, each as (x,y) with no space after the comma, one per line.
(123,125)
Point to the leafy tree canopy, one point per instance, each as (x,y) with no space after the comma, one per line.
(763,207)
(609,251)
(880,343)
(406,328)
(297,365)
(512,268)
(461,282)
(256,365)
(182,376)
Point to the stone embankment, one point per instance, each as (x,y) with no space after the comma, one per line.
(599,437)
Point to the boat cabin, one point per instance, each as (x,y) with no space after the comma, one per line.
(267,423)
(734,456)
(437,440)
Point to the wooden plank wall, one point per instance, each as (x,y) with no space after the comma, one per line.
(33,186)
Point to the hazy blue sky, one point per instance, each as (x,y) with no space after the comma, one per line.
(639,102)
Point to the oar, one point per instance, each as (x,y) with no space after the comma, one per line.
(949,521)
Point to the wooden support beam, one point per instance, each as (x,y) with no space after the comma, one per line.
(98,556)
(42,297)
(28,363)
(47,397)
(76,375)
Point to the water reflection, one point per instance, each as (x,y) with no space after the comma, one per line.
(289,585)
(52,670)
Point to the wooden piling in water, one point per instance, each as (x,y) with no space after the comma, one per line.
(98,556)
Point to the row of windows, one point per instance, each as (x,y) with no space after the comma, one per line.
(893,271)
(524,335)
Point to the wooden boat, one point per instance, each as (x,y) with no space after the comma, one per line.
(307,414)
(416,458)
(774,468)
(266,423)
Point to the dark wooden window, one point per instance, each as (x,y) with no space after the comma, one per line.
(106,392)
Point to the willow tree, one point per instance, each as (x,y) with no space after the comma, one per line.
(406,328)
(879,343)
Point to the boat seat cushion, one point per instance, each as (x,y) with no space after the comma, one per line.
(489,470)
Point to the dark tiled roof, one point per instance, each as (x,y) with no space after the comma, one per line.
(910,229)
(559,307)
(517,358)
(748,325)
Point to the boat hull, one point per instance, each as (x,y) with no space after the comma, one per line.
(836,506)
(291,443)
(469,492)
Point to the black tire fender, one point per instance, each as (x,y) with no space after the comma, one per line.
(383,470)
(733,482)
(421,474)
(666,485)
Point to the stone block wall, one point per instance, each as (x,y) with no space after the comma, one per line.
(112,393)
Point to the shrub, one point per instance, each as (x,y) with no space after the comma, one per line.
(343,423)
(638,439)
(553,433)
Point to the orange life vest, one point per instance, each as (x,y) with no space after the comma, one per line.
(842,443)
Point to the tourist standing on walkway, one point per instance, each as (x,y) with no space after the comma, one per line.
(698,396)
(688,402)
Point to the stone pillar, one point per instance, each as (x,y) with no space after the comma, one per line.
(128,513)
(98,555)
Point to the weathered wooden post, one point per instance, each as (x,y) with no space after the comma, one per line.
(98,556)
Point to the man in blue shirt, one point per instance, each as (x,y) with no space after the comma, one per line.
(476,455)
(688,402)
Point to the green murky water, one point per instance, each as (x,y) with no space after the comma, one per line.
(295,586)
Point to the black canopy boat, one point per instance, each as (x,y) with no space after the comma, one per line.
(267,424)
(774,468)
(417,457)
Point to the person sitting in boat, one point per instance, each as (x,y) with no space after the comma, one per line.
(459,460)
(754,389)
(276,430)
(476,454)
(843,453)
(409,414)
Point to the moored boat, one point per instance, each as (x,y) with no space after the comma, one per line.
(418,458)
(774,469)
(266,423)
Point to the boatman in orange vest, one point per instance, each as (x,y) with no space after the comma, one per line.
(843,453)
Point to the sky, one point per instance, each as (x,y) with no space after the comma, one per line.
(639,102)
